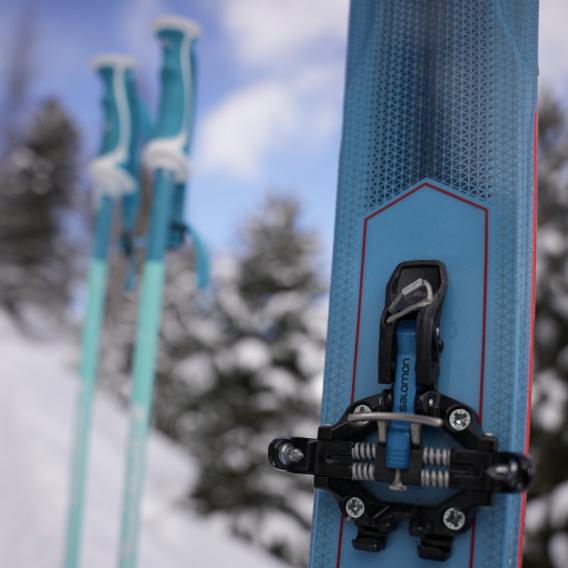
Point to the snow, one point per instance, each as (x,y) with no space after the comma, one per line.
(251,354)
(551,241)
(37,404)
(550,398)
(536,515)
(558,549)
(197,371)
(559,505)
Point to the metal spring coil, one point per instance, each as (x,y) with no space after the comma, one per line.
(363,471)
(363,451)
(434,477)
(436,456)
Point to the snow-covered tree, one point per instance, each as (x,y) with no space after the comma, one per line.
(547,511)
(239,365)
(38,177)
(246,371)
(17,75)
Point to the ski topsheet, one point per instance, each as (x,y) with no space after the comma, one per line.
(437,162)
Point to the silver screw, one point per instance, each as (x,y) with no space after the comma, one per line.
(459,419)
(354,507)
(361,409)
(288,454)
(453,519)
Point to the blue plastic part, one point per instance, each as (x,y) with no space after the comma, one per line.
(144,122)
(103,228)
(128,116)
(177,106)
(160,215)
(178,227)
(202,260)
(114,122)
(404,394)
(111,129)
(179,84)
(130,203)
(176,115)
(437,162)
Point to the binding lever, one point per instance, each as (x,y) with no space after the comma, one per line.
(380,438)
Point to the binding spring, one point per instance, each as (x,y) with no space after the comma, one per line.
(436,456)
(364,451)
(434,477)
(363,471)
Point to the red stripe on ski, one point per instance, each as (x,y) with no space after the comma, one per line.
(341,523)
(361,276)
(484,316)
(531,340)
(428,185)
(533,282)
(482,370)
(472,546)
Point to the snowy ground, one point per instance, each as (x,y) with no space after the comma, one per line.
(37,393)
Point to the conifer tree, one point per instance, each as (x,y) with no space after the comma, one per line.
(247,372)
(238,366)
(38,178)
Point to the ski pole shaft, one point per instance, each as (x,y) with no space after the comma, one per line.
(166,157)
(112,178)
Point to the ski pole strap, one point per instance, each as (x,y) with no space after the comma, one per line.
(179,232)
(202,260)
(381,438)
(113,170)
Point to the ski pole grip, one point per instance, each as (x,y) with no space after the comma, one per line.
(171,139)
(113,170)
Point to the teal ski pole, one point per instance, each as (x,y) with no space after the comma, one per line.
(166,157)
(114,175)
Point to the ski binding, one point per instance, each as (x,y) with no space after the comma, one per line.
(345,462)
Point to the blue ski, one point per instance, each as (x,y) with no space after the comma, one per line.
(422,457)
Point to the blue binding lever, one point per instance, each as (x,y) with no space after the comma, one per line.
(404,393)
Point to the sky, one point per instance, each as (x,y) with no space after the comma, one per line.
(271,77)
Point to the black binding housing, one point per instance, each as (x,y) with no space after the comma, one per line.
(428,342)
(475,469)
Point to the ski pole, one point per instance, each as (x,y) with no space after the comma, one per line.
(113,173)
(166,157)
